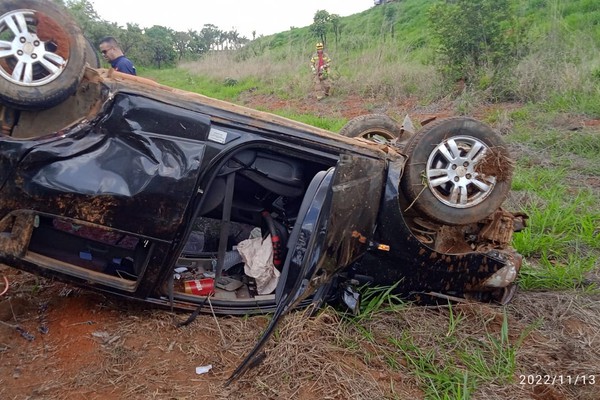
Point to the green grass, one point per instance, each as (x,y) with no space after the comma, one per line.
(558,143)
(447,362)
(551,274)
(229,89)
(561,244)
(493,360)
(375,299)
(454,320)
(330,124)
(438,375)
(587,103)
(455,364)
(562,238)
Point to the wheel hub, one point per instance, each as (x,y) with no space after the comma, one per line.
(28,48)
(451,173)
(461,171)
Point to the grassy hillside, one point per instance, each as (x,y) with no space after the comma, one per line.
(388,52)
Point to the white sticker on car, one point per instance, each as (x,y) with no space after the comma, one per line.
(217,135)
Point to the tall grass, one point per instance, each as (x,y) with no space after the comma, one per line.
(220,89)
(328,123)
(563,75)
(376,73)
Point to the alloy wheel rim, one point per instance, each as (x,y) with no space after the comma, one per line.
(451,172)
(25,59)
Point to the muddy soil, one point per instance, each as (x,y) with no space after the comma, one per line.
(61,342)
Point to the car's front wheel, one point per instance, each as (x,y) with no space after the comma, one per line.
(42,54)
(458,171)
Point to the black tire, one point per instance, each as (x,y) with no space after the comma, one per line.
(458,171)
(91,55)
(376,127)
(48,54)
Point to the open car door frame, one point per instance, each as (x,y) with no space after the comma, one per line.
(334,227)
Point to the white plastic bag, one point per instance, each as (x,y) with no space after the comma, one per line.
(258,258)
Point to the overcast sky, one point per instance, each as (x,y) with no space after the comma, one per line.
(263,16)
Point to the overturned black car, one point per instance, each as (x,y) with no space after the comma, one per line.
(120,184)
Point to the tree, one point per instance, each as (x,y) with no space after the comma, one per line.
(198,45)
(182,43)
(131,38)
(210,34)
(336,25)
(319,25)
(84,13)
(474,35)
(93,27)
(234,38)
(161,45)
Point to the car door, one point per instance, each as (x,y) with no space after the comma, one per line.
(334,226)
(135,170)
(104,192)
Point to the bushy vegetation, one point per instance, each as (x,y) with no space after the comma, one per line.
(156,46)
(479,42)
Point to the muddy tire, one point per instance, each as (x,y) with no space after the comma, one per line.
(46,59)
(458,171)
(376,127)
(91,55)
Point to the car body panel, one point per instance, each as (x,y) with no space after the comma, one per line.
(236,116)
(105,173)
(147,151)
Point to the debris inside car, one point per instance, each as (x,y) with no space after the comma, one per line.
(119,184)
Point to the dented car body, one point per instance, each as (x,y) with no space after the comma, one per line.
(148,192)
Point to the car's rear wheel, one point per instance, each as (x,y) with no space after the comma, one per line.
(375,127)
(42,54)
(458,171)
